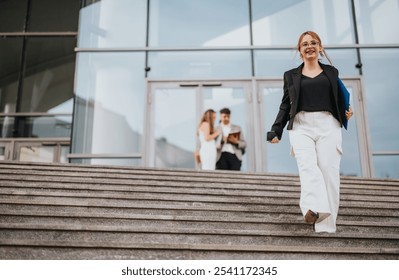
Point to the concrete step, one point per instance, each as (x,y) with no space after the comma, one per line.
(286,213)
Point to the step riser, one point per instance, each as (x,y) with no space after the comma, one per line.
(29,253)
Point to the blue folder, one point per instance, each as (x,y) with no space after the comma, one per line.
(343,102)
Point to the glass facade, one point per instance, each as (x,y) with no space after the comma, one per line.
(145,71)
(160,65)
(37,71)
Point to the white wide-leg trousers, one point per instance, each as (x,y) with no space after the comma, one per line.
(316,143)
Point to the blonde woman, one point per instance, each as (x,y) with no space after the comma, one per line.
(310,106)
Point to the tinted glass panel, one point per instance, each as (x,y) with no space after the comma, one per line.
(50,15)
(12,15)
(109,103)
(10,61)
(200,64)
(378,21)
(182,23)
(49,75)
(42,127)
(282,22)
(6,127)
(108,24)
(381,72)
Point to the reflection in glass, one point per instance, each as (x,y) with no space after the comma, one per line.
(108,24)
(386,166)
(12,15)
(200,64)
(275,62)
(37,154)
(182,23)
(377,21)
(381,72)
(233,98)
(330,19)
(10,56)
(49,74)
(109,106)
(44,126)
(175,126)
(50,15)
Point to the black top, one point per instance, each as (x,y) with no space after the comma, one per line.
(316,94)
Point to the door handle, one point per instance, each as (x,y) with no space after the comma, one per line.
(212,85)
(189,85)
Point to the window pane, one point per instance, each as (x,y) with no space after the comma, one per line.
(49,75)
(37,127)
(330,19)
(12,15)
(42,127)
(386,166)
(50,15)
(10,60)
(200,64)
(378,21)
(109,24)
(109,107)
(182,23)
(275,63)
(380,69)
(6,127)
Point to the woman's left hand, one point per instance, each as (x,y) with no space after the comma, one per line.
(349,113)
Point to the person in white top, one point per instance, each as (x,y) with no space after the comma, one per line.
(231,146)
(206,156)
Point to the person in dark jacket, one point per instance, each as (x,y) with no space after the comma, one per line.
(310,106)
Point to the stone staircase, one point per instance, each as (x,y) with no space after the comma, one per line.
(65,211)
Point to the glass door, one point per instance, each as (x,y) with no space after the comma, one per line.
(356,159)
(173,113)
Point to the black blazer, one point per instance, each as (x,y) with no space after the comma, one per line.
(289,103)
